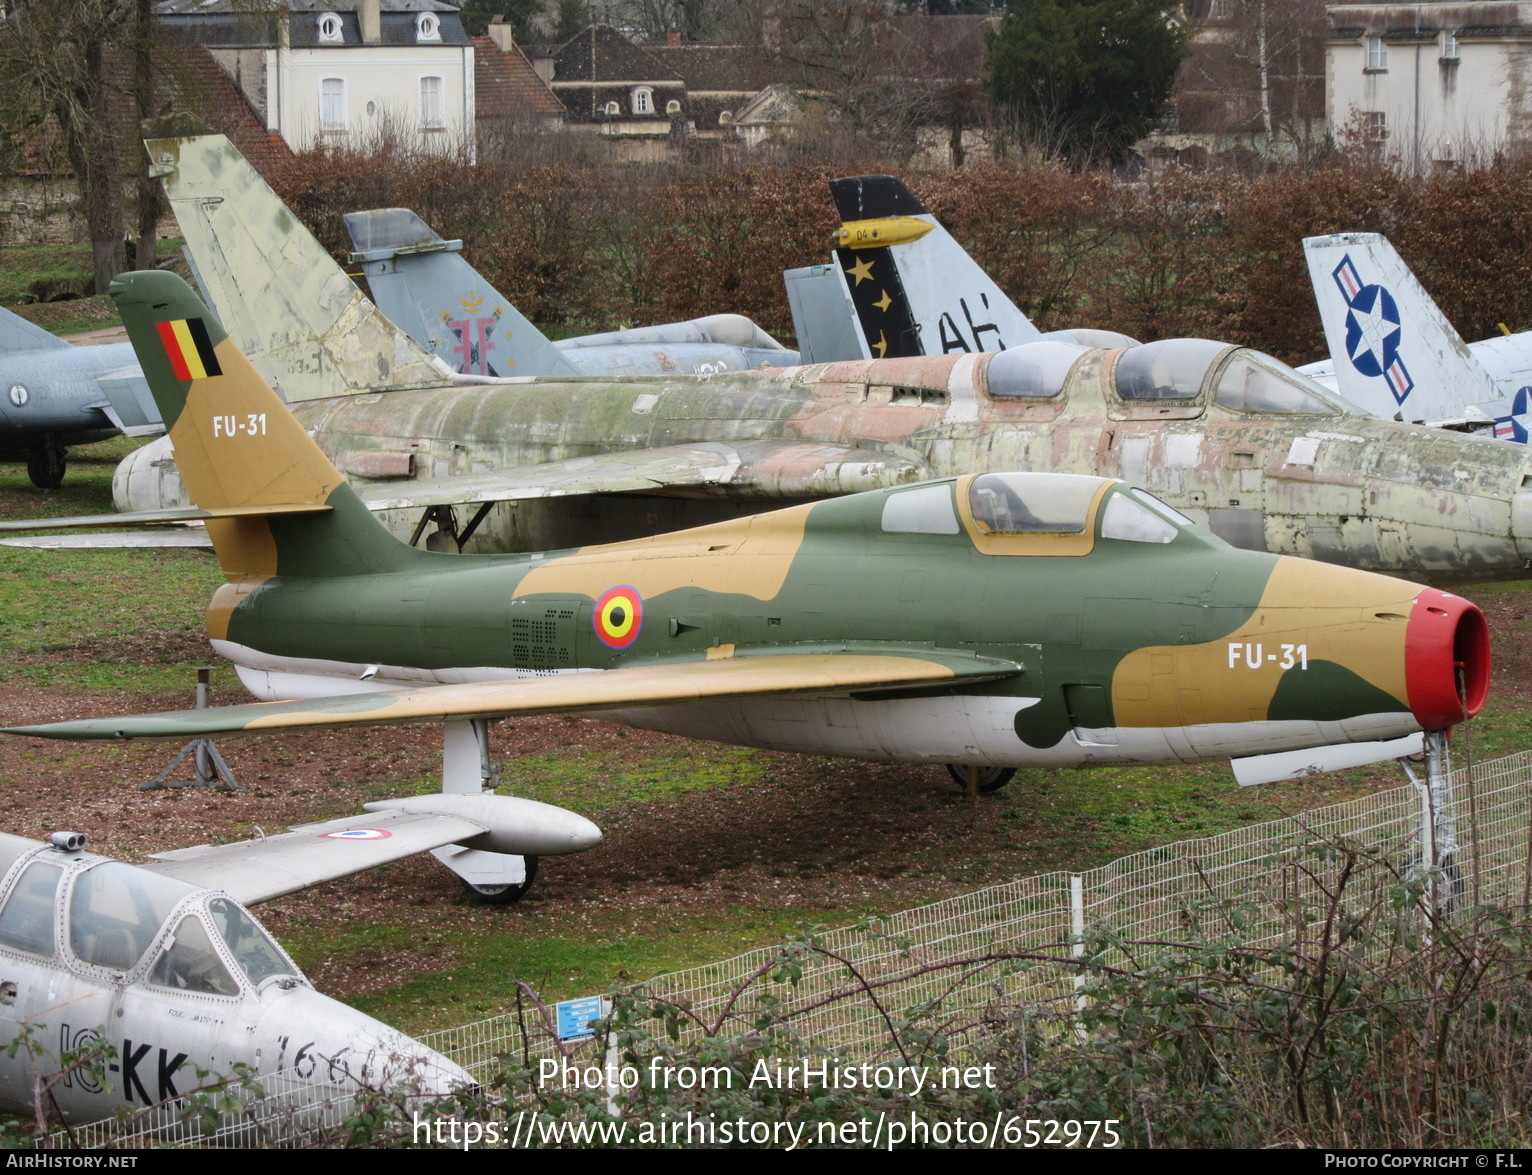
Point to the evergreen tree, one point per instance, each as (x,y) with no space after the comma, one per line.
(1084,79)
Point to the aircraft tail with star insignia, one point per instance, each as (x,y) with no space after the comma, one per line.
(1392,350)
(911,288)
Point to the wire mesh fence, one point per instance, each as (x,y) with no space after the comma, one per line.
(1008,945)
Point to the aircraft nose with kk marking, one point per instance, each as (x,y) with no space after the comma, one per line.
(1446,659)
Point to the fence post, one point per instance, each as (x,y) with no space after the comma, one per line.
(1077,943)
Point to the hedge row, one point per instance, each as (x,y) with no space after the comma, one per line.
(1215,255)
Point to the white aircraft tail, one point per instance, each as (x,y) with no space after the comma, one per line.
(293,311)
(1394,352)
(914,289)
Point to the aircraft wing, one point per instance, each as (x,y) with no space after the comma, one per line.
(258,870)
(723,676)
(758,469)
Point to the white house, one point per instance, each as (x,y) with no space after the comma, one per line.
(353,71)
(1431,87)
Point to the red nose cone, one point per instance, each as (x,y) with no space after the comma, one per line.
(1446,659)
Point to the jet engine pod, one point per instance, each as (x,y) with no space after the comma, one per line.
(511,825)
(1446,659)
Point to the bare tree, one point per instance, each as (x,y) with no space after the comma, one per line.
(1257,67)
(53,56)
(883,71)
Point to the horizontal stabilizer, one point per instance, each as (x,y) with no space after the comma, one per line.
(159,517)
(1286,765)
(194,537)
(649,685)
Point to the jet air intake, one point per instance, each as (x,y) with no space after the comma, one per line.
(1446,659)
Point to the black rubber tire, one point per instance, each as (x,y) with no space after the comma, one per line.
(991,779)
(503,895)
(46,464)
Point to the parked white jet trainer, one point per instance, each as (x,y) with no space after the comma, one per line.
(1393,352)
(163,969)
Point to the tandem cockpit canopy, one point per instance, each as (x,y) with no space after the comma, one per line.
(1170,370)
(1033,513)
(128,919)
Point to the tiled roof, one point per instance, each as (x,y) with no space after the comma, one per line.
(506,86)
(602,54)
(723,69)
(198,84)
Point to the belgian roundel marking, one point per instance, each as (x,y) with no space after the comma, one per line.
(356,834)
(619,617)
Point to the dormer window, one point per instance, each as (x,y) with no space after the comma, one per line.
(428,27)
(613,108)
(672,107)
(329,28)
(643,100)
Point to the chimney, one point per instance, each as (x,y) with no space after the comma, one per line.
(369,13)
(673,37)
(500,33)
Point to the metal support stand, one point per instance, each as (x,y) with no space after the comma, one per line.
(1438,824)
(211,770)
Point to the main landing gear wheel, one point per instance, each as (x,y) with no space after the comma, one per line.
(991,779)
(504,895)
(45,464)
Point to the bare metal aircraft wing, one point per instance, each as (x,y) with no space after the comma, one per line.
(254,871)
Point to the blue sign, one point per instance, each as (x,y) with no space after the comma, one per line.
(573,1017)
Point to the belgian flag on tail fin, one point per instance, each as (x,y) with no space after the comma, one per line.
(189,348)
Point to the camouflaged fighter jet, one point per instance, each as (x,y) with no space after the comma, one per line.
(998,620)
(1228,436)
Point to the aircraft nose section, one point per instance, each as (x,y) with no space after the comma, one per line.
(1446,659)
(321,1040)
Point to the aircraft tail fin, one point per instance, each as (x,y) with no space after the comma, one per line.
(278,504)
(423,284)
(916,291)
(295,313)
(1394,352)
(17,334)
